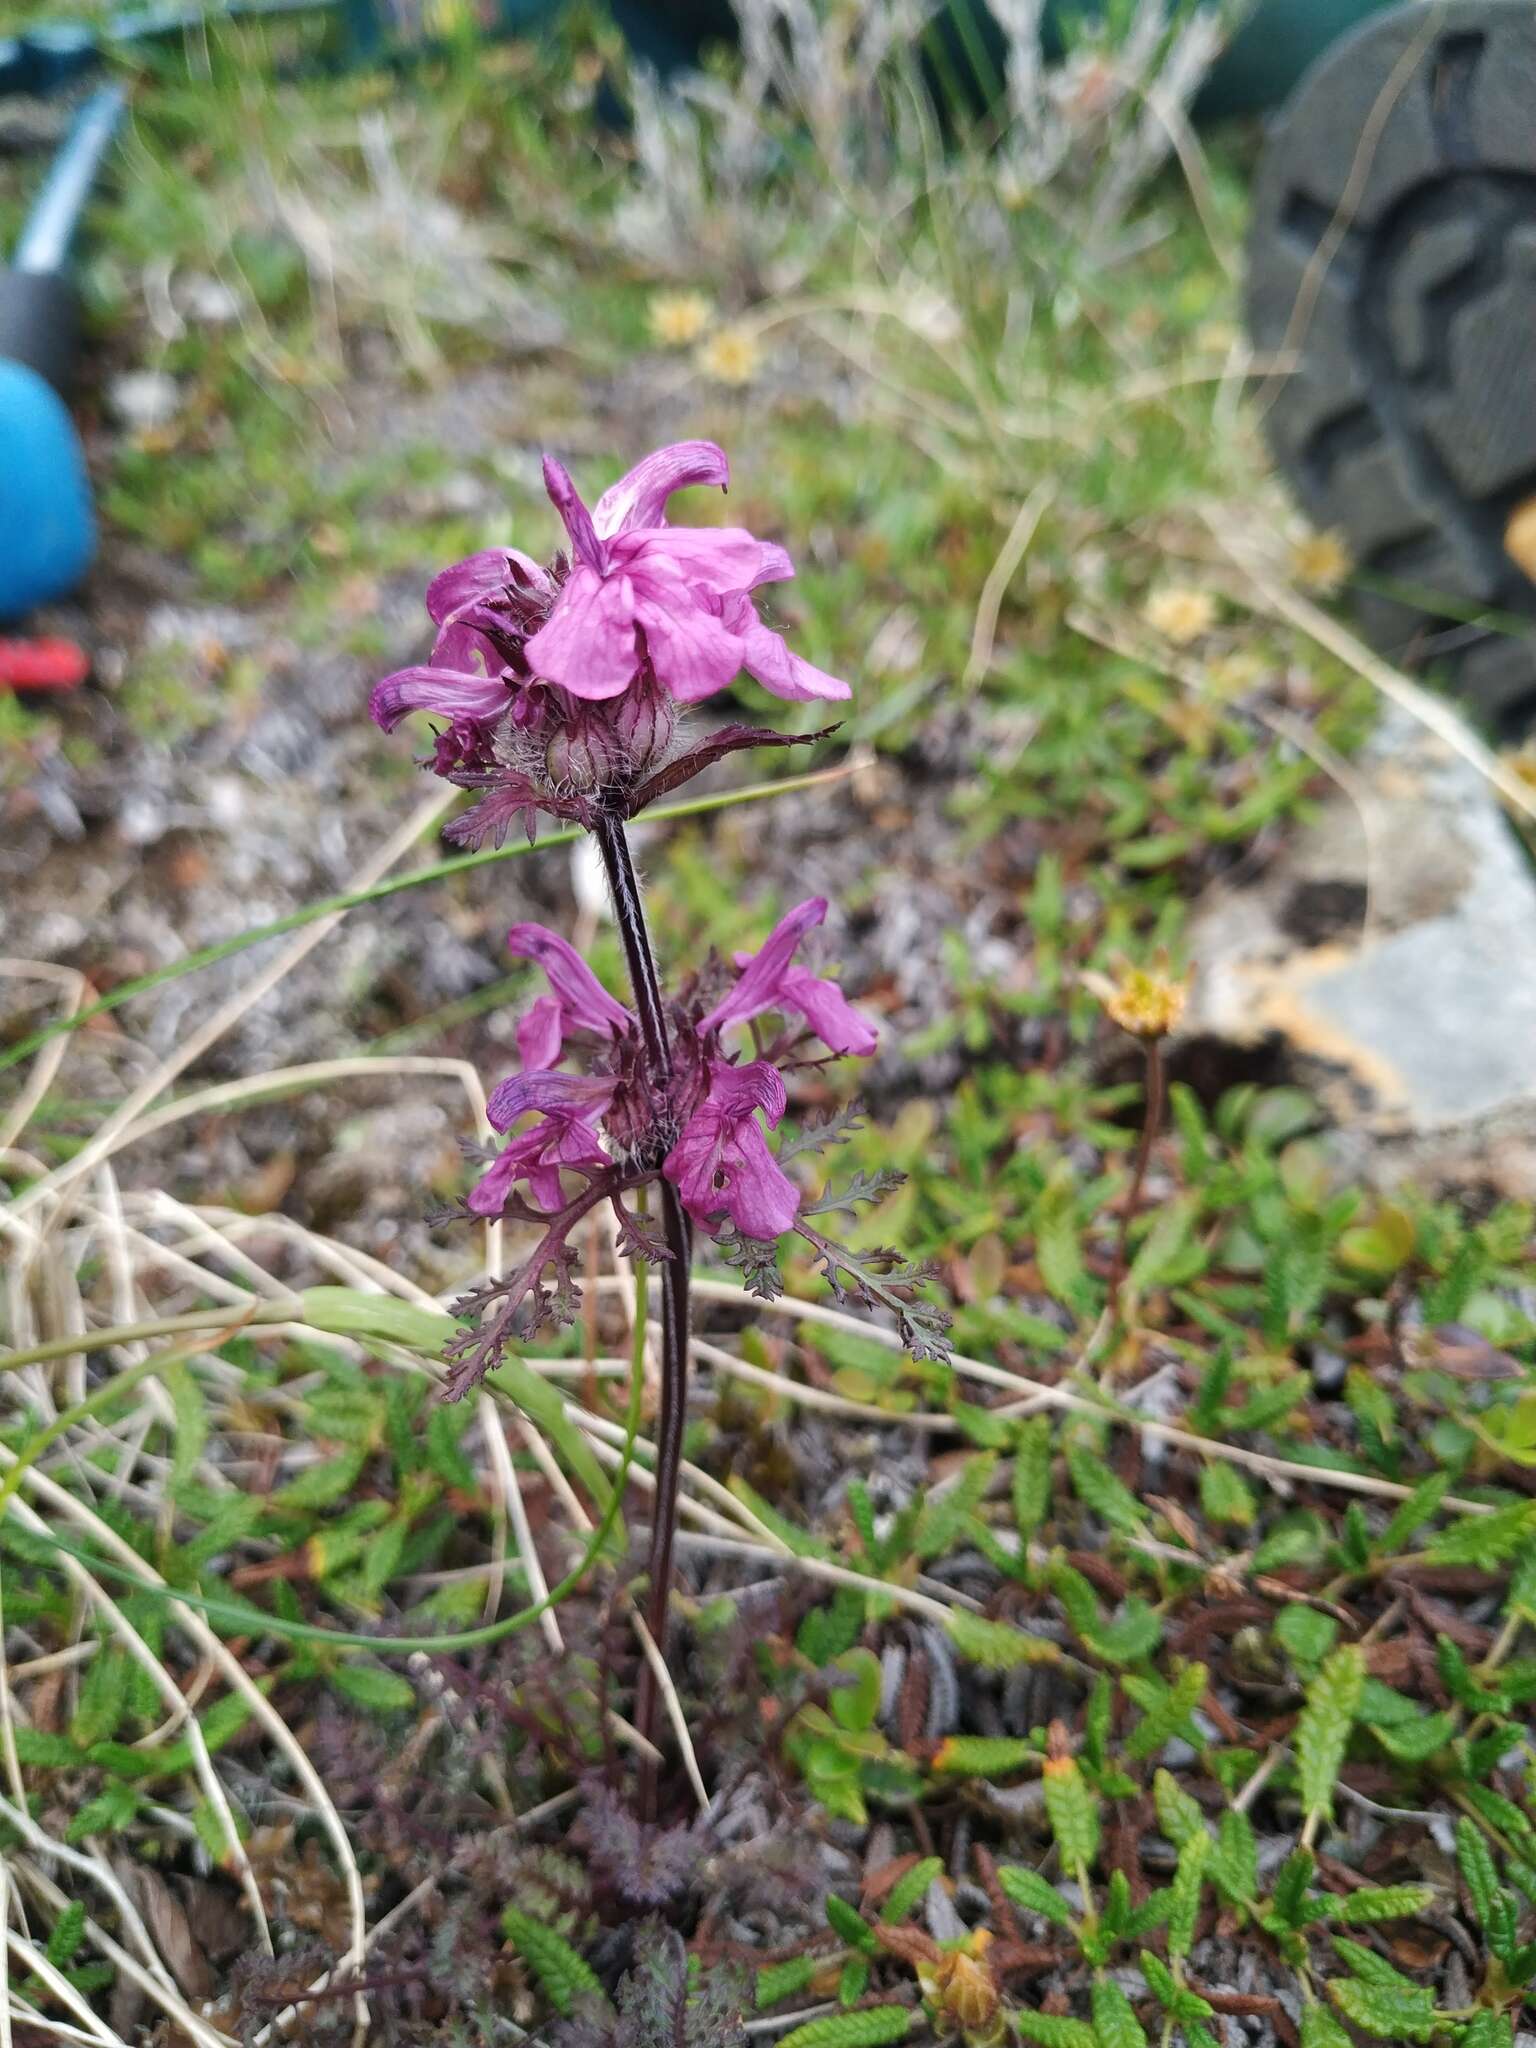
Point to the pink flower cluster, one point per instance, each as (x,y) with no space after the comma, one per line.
(561,685)
(701,1127)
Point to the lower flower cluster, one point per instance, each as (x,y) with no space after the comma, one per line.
(700,1118)
(698,1122)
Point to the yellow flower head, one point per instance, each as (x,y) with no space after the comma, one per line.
(1146,1001)
(1180,613)
(677,318)
(731,356)
(1320,562)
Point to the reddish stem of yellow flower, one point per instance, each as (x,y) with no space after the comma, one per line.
(1154,1102)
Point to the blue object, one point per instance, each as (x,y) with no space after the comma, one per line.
(47,533)
(50,229)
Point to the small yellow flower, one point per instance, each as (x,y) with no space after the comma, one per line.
(1180,613)
(677,318)
(1234,675)
(731,356)
(1146,1001)
(1520,537)
(1320,562)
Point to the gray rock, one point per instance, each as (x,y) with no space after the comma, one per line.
(1392,950)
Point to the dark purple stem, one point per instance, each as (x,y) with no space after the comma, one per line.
(678,1232)
(1151,1124)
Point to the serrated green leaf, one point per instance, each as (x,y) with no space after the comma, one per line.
(1115,2024)
(1134,1633)
(1032,1475)
(1178,1815)
(1072,1808)
(1485,1540)
(1478,1872)
(1166,1712)
(984,1756)
(115,1807)
(943,1517)
(1421,1506)
(1058,1249)
(1385,2013)
(872,2028)
(910,1889)
(1319,2029)
(563,1975)
(1226,1496)
(1322,1733)
(849,1922)
(1382,1902)
(1234,1864)
(778,1981)
(1415,1742)
(103,1697)
(371,1686)
(1102,1493)
(1046,2030)
(1033,1893)
(1306,1635)
(995,1644)
(66,1935)
(190,1431)
(1184,1906)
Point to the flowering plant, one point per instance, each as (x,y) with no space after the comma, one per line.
(561,690)
(562,687)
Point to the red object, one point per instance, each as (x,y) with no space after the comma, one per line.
(43,664)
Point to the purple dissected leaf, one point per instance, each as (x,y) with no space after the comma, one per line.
(730,739)
(757,1261)
(881,1278)
(493,818)
(637,1239)
(645,1864)
(863,1187)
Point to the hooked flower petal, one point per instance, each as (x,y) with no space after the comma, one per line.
(640,497)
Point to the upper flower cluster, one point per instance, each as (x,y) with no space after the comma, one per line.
(561,685)
(699,1124)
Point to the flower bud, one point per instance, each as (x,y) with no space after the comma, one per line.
(579,755)
(643,722)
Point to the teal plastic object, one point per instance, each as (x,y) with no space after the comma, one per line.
(1271,49)
(47,533)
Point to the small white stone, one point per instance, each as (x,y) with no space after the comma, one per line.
(141,399)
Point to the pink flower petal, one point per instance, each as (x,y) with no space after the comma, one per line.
(690,650)
(721,1163)
(778,668)
(567,501)
(477,577)
(829,1013)
(761,986)
(719,559)
(540,1035)
(640,498)
(588,644)
(447,691)
(582,1001)
(488,1196)
(570,1095)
